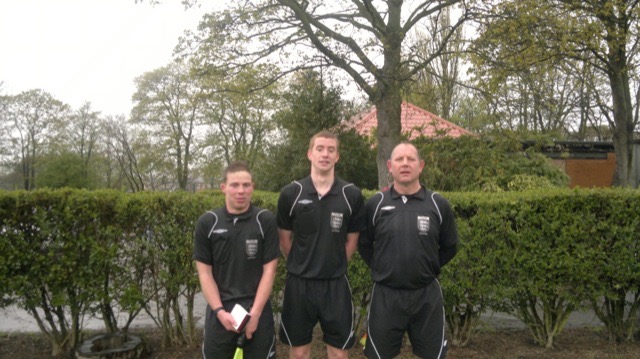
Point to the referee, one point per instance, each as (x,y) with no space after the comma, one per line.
(411,233)
(319,220)
(236,253)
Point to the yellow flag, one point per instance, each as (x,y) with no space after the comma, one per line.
(363,340)
(242,340)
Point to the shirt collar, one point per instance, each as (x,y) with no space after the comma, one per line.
(421,194)
(244,215)
(307,182)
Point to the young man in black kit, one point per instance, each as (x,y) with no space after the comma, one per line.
(236,253)
(411,233)
(319,220)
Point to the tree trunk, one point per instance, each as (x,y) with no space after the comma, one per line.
(388,99)
(388,108)
(623,118)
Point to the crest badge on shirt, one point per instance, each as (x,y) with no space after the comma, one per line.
(336,221)
(251,248)
(423,225)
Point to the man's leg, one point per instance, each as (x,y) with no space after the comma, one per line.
(297,318)
(427,328)
(217,341)
(300,352)
(335,353)
(263,343)
(337,315)
(386,323)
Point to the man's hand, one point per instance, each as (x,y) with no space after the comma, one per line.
(252,325)
(226,319)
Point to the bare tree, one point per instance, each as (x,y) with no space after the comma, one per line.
(240,117)
(366,39)
(121,149)
(170,105)
(84,131)
(437,87)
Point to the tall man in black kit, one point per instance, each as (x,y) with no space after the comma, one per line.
(319,220)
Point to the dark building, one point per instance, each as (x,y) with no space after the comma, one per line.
(589,164)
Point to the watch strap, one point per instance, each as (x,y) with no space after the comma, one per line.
(215,311)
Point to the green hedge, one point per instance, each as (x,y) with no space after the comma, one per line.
(541,255)
(69,253)
(538,255)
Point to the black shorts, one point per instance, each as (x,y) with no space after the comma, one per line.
(419,312)
(309,301)
(221,344)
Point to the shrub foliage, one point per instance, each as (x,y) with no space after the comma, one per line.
(68,254)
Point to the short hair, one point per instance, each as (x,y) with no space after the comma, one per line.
(408,144)
(233,167)
(324,134)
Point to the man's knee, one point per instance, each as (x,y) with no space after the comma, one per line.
(335,353)
(300,352)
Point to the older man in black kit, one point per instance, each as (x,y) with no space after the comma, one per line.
(411,233)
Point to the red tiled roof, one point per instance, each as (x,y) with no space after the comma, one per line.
(414,121)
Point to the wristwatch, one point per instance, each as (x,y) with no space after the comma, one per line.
(215,311)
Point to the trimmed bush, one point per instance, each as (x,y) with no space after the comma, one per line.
(538,254)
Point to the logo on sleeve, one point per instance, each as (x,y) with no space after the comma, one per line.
(336,221)
(423,225)
(251,248)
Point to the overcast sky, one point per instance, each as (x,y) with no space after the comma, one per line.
(88,50)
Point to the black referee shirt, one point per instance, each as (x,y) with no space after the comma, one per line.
(237,246)
(319,226)
(408,237)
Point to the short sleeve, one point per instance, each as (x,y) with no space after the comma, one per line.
(271,240)
(202,244)
(357,222)
(284,220)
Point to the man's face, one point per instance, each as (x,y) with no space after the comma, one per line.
(237,191)
(324,154)
(405,165)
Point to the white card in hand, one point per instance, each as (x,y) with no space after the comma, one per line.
(241,316)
